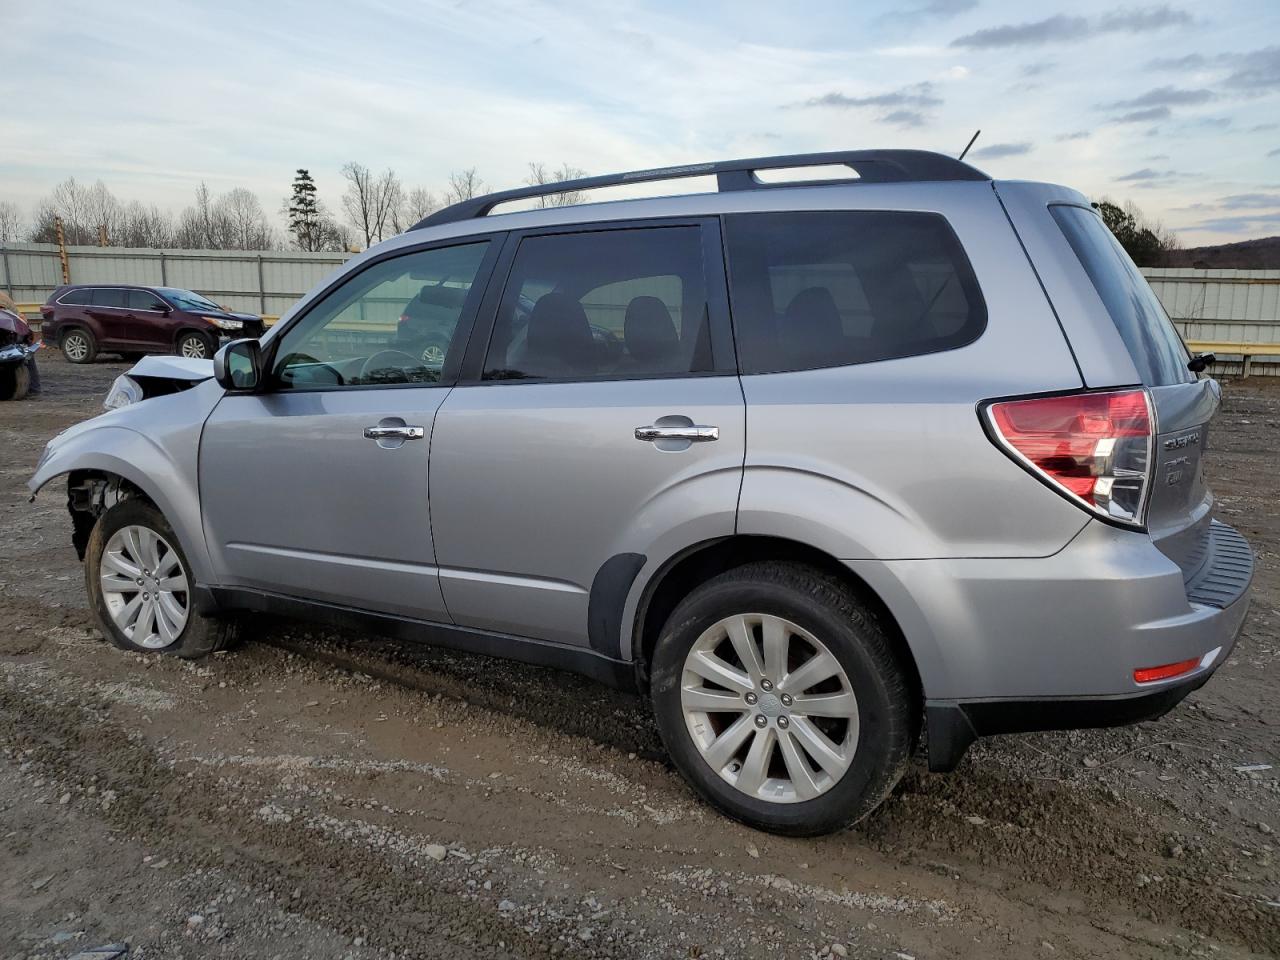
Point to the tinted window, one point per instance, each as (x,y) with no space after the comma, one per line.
(141,300)
(76,296)
(615,303)
(1153,342)
(394,322)
(826,289)
(110,297)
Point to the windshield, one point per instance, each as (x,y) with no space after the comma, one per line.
(188,300)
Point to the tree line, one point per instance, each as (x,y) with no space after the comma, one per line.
(373,207)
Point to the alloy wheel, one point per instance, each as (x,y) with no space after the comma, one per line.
(769,708)
(76,346)
(145,587)
(195,348)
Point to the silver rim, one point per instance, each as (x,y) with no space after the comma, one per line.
(433,354)
(76,346)
(769,708)
(145,587)
(194,347)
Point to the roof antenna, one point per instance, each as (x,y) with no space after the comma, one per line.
(969,144)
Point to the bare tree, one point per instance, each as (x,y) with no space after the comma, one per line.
(539,175)
(10,221)
(86,213)
(245,221)
(141,226)
(233,221)
(414,205)
(370,200)
(463,185)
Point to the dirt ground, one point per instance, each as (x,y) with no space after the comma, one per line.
(323,794)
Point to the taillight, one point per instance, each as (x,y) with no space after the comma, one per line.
(1095,448)
(405,318)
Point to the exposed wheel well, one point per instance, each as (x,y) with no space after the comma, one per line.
(90,493)
(696,566)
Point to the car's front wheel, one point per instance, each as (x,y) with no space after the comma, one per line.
(140,586)
(782,700)
(195,346)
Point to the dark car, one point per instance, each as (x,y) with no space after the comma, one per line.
(84,319)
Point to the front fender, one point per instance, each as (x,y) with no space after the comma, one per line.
(155,445)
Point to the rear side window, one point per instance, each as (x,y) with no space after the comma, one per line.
(826,289)
(75,297)
(1158,352)
(109,297)
(614,303)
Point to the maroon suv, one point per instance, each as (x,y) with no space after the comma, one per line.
(84,319)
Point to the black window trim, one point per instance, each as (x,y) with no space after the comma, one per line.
(979,328)
(723,357)
(470,310)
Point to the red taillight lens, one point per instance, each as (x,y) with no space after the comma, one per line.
(404,318)
(1166,672)
(1095,447)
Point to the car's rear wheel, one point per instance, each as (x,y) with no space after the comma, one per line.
(195,346)
(78,345)
(781,699)
(141,589)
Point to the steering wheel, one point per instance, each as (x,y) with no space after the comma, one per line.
(414,363)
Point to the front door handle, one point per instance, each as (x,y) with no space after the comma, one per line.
(694,433)
(394,433)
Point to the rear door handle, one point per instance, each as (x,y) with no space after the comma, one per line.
(695,433)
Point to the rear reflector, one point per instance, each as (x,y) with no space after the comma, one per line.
(1166,672)
(1094,448)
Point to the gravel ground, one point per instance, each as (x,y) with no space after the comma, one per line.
(323,794)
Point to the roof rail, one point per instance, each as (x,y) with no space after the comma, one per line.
(871,166)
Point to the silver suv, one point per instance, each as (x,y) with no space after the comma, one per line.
(815,465)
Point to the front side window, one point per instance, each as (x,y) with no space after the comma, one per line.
(826,289)
(142,300)
(613,303)
(392,323)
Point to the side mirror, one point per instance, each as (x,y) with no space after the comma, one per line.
(238,365)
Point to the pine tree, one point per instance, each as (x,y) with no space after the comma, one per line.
(305,218)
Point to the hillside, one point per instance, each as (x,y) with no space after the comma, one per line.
(1262,253)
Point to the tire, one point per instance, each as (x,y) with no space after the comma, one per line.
(873,739)
(194,345)
(78,345)
(127,525)
(14,382)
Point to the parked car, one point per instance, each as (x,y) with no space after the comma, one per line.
(85,319)
(18,346)
(858,457)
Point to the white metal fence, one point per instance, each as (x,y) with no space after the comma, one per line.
(1208,306)
(266,282)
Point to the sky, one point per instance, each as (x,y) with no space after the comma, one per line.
(1174,106)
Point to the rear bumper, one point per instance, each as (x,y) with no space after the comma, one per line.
(953,726)
(1014,645)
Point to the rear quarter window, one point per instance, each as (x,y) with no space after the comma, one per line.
(75,297)
(1153,342)
(827,289)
